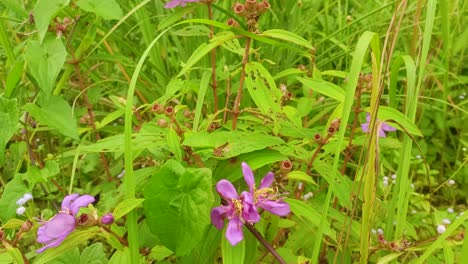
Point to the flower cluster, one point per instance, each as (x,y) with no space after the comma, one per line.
(382,126)
(243,209)
(21,201)
(174,3)
(53,232)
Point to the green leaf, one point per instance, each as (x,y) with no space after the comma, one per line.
(204,49)
(56,114)
(232,254)
(173,140)
(12,223)
(310,217)
(69,257)
(391,114)
(125,207)
(13,77)
(107,9)
(93,254)
(14,253)
(301,176)
(44,10)
(262,88)
(287,36)
(70,242)
(36,175)
(14,190)
(177,205)
(45,62)
(323,87)
(8,123)
(232,143)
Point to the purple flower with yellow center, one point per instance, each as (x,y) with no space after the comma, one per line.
(53,232)
(182,3)
(265,197)
(382,126)
(239,210)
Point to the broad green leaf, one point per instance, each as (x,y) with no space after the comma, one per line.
(69,257)
(173,140)
(301,176)
(8,123)
(72,241)
(12,223)
(262,88)
(45,61)
(388,258)
(323,87)
(232,143)
(310,217)
(56,114)
(14,190)
(36,175)
(204,49)
(125,207)
(390,114)
(107,9)
(232,254)
(287,36)
(13,77)
(93,254)
(44,11)
(204,83)
(287,72)
(177,205)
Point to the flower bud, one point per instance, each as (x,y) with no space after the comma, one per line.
(26,226)
(162,122)
(187,113)
(318,138)
(107,219)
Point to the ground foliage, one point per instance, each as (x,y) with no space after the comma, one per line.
(146,108)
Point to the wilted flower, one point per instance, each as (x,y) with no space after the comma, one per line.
(175,3)
(107,219)
(382,126)
(53,232)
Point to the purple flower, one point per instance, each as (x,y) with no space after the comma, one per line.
(265,197)
(244,208)
(239,209)
(383,127)
(175,3)
(107,219)
(53,232)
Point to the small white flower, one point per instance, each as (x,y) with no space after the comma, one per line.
(121,174)
(446,221)
(21,210)
(27,196)
(307,196)
(450,210)
(380,231)
(451,182)
(385,183)
(461,97)
(373,231)
(412,186)
(300,185)
(21,201)
(418,156)
(385,178)
(393,176)
(464,149)
(414,211)
(441,229)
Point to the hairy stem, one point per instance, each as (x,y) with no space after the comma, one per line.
(235,111)
(265,243)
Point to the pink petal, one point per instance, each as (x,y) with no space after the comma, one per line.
(66,203)
(82,201)
(55,243)
(60,225)
(267,181)
(382,132)
(226,190)
(368,118)
(217,216)
(276,207)
(365,127)
(172,4)
(234,232)
(249,210)
(248,176)
(389,128)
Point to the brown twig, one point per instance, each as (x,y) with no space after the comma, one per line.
(265,243)
(235,111)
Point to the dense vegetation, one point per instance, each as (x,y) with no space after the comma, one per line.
(204,131)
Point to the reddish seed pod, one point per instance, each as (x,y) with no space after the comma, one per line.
(187,113)
(212,127)
(26,226)
(263,7)
(232,23)
(250,5)
(331,131)
(286,166)
(83,220)
(318,138)
(158,108)
(169,111)
(239,9)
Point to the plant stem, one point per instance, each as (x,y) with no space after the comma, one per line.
(214,84)
(265,243)
(237,102)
